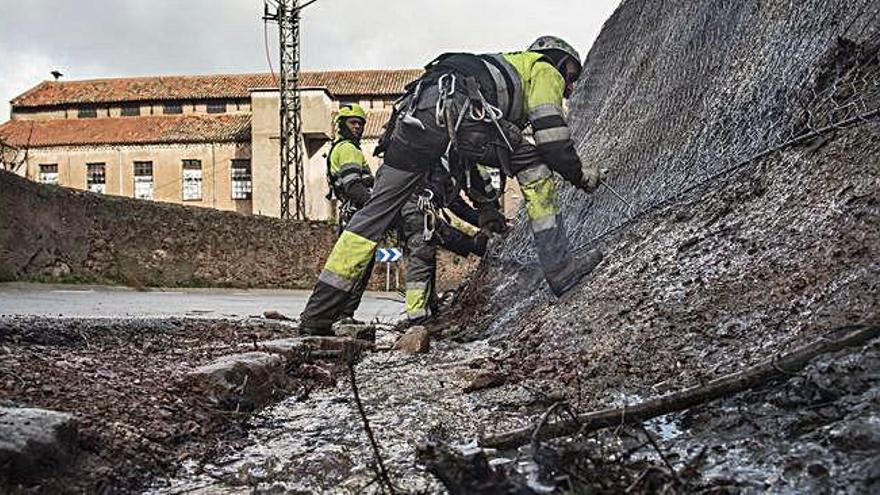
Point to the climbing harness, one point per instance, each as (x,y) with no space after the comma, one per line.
(483,111)
(495,115)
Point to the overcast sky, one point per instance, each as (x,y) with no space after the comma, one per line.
(110,38)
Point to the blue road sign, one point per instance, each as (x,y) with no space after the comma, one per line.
(388,255)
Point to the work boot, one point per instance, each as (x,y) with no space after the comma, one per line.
(316,331)
(350,320)
(579,268)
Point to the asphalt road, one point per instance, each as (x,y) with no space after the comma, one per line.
(100,301)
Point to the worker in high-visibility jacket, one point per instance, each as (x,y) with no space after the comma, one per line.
(475,106)
(350,180)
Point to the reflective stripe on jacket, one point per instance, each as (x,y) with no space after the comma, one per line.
(542,88)
(347,164)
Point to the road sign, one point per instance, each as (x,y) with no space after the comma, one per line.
(388,255)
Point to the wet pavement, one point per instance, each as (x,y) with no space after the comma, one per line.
(81,301)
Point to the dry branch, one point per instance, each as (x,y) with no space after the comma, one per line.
(778,367)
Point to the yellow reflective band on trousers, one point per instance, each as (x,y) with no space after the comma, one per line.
(541,199)
(416,299)
(350,256)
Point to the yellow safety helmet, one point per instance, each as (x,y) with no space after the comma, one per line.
(350,110)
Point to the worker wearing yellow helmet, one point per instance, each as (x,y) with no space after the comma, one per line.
(476,107)
(349,175)
(350,180)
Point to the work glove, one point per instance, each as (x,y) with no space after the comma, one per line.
(591,177)
(491,219)
(481,242)
(359,194)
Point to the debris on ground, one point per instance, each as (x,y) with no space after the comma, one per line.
(139,395)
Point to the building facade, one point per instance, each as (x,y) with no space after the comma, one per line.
(208,141)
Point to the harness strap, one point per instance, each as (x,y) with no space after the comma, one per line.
(511,81)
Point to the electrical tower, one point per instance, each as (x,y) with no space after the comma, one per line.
(293,201)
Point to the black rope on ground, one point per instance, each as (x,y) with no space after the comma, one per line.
(350,354)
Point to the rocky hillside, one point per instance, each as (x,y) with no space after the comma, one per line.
(744,137)
(706,101)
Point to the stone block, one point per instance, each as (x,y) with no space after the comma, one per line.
(35,443)
(415,341)
(241,381)
(358,332)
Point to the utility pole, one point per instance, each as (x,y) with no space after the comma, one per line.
(292,176)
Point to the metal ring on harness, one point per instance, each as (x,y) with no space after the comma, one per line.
(477,113)
(424,202)
(430,225)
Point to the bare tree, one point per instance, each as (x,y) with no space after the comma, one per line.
(13,158)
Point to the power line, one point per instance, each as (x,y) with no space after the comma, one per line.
(266,41)
(291,150)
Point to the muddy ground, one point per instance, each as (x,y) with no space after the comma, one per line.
(122,379)
(773,256)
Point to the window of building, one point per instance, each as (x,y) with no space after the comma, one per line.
(87,113)
(216,107)
(143,180)
(241,179)
(130,111)
(172,109)
(49,173)
(192,180)
(96,179)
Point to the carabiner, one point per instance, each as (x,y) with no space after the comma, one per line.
(425,199)
(429,225)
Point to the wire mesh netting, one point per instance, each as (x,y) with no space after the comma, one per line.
(675,94)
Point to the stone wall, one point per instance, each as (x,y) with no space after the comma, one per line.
(59,234)
(51,233)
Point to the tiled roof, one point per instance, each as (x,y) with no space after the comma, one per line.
(339,83)
(376,120)
(127,130)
